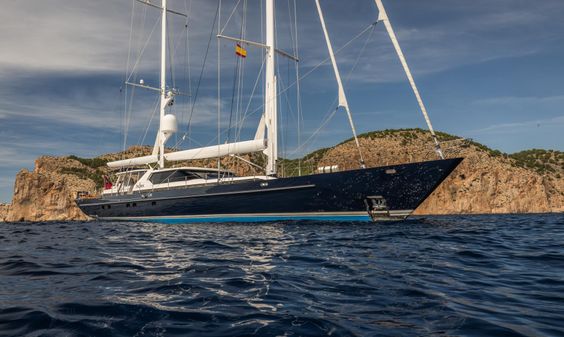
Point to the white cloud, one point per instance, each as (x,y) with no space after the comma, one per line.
(58,35)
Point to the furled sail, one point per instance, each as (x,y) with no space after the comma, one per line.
(133,161)
(213,151)
(218,150)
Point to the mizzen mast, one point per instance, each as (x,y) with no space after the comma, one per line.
(270,97)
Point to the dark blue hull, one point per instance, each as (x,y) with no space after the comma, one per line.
(390,192)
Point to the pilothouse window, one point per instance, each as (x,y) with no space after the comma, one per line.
(128,179)
(172,176)
(185,175)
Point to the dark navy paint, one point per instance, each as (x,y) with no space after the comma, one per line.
(331,192)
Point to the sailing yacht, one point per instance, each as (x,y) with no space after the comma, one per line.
(146,190)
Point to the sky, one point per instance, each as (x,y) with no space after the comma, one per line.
(487,70)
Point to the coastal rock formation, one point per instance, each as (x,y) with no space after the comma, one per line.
(4,208)
(487,181)
(48,192)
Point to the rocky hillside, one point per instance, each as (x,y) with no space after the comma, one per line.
(487,181)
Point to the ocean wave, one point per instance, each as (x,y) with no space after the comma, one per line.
(436,276)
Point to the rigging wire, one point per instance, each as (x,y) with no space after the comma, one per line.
(230,15)
(142,51)
(328,58)
(312,137)
(242,71)
(328,117)
(245,113)
(130,95)
(122,128)
(198,85)
(280,92)
(368,38)
(298,92)
(218,90)
(170,52)
(155,109)
(236,75)
(187,64)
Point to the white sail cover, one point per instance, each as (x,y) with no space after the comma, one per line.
(133,161)
(218,150)
(199,153)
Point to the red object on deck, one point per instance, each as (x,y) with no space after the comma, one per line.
(107,183)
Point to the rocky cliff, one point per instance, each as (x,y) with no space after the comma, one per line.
(48,192)
(4,208)
(487,181)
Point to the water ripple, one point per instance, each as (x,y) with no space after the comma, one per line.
(429,276)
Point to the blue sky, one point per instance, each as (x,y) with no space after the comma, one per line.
(487,70)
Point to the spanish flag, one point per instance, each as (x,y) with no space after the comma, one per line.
(240,51)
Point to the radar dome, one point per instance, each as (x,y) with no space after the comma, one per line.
(169,124)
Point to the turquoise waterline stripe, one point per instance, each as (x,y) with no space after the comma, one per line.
(180,220)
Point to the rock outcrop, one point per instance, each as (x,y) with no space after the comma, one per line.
(487,181)
(48,192)
(4,208)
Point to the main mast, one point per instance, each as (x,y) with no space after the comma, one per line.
(270,97)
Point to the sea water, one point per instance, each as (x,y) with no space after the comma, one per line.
(448,276)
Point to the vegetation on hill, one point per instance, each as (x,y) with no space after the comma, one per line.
(83,173)
(90,162)
(542,161)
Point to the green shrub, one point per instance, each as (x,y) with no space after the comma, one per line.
(83,173)
(90,162)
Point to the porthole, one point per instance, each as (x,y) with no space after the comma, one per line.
(153,203)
